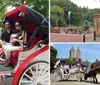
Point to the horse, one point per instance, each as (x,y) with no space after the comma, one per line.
(94,69)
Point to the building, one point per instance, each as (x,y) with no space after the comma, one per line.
(72,53)
(78,53)
(97,24)
(75,54)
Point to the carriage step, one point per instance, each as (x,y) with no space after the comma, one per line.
(6,73)
(3,74)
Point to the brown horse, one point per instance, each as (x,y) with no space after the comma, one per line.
(94,69)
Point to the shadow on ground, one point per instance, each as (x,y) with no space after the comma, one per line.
(7,80)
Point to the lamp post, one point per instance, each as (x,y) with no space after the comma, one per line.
(69,13)
(94,35)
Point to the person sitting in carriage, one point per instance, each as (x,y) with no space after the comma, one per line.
(63,65)
(73,65)
(5,36)
(16,43)
(81,65)
(66,68)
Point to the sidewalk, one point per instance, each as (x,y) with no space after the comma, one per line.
(92,40)
(7,80)
(57,37)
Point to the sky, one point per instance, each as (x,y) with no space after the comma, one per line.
(90,3)
(89,52)
(9,8)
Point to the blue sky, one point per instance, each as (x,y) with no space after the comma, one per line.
(89,52)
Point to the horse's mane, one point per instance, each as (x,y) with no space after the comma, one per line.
(95,64)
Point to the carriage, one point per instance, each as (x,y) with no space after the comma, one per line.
(31,63)
(58,74)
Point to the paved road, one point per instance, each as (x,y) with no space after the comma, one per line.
(7,80)
(73,83)
(57,37)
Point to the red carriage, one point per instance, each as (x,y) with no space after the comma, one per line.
(32,63)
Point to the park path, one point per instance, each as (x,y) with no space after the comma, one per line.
(75,82)
(57,37)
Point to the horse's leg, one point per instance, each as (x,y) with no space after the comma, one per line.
(93,79)
(96,79)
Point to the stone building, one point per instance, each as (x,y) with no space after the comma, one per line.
(75,54)
(97,24)
(72,53)
(78,53)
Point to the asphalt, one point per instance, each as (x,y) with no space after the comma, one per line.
(57,37)
(73,81)
(92,40)
(7,79)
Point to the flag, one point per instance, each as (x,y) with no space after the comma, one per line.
(69,13)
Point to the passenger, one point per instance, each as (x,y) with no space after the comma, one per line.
(73,66)
(5,36)
(66,68)
(16,42)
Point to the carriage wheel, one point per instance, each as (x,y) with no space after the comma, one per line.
(79,77)
(56,75)
(36,73)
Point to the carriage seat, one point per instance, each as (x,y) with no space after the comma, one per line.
(14,54)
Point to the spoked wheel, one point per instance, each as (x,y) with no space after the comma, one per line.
(56,75)
(79,77)
(36,73)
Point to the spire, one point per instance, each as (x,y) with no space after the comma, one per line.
(78,53)
(72,53)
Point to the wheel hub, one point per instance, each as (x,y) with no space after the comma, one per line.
(38,83)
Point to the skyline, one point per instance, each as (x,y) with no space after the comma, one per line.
(90,3)
(89,52)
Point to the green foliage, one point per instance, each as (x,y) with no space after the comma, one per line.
(41,6)
(53,54)
(69,62)
(56,15)
(77,17)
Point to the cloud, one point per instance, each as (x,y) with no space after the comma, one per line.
(89,3)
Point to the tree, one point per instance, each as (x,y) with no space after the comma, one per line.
(53,54)
(41,6)
(69,62)
(56,15)
(78,14)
